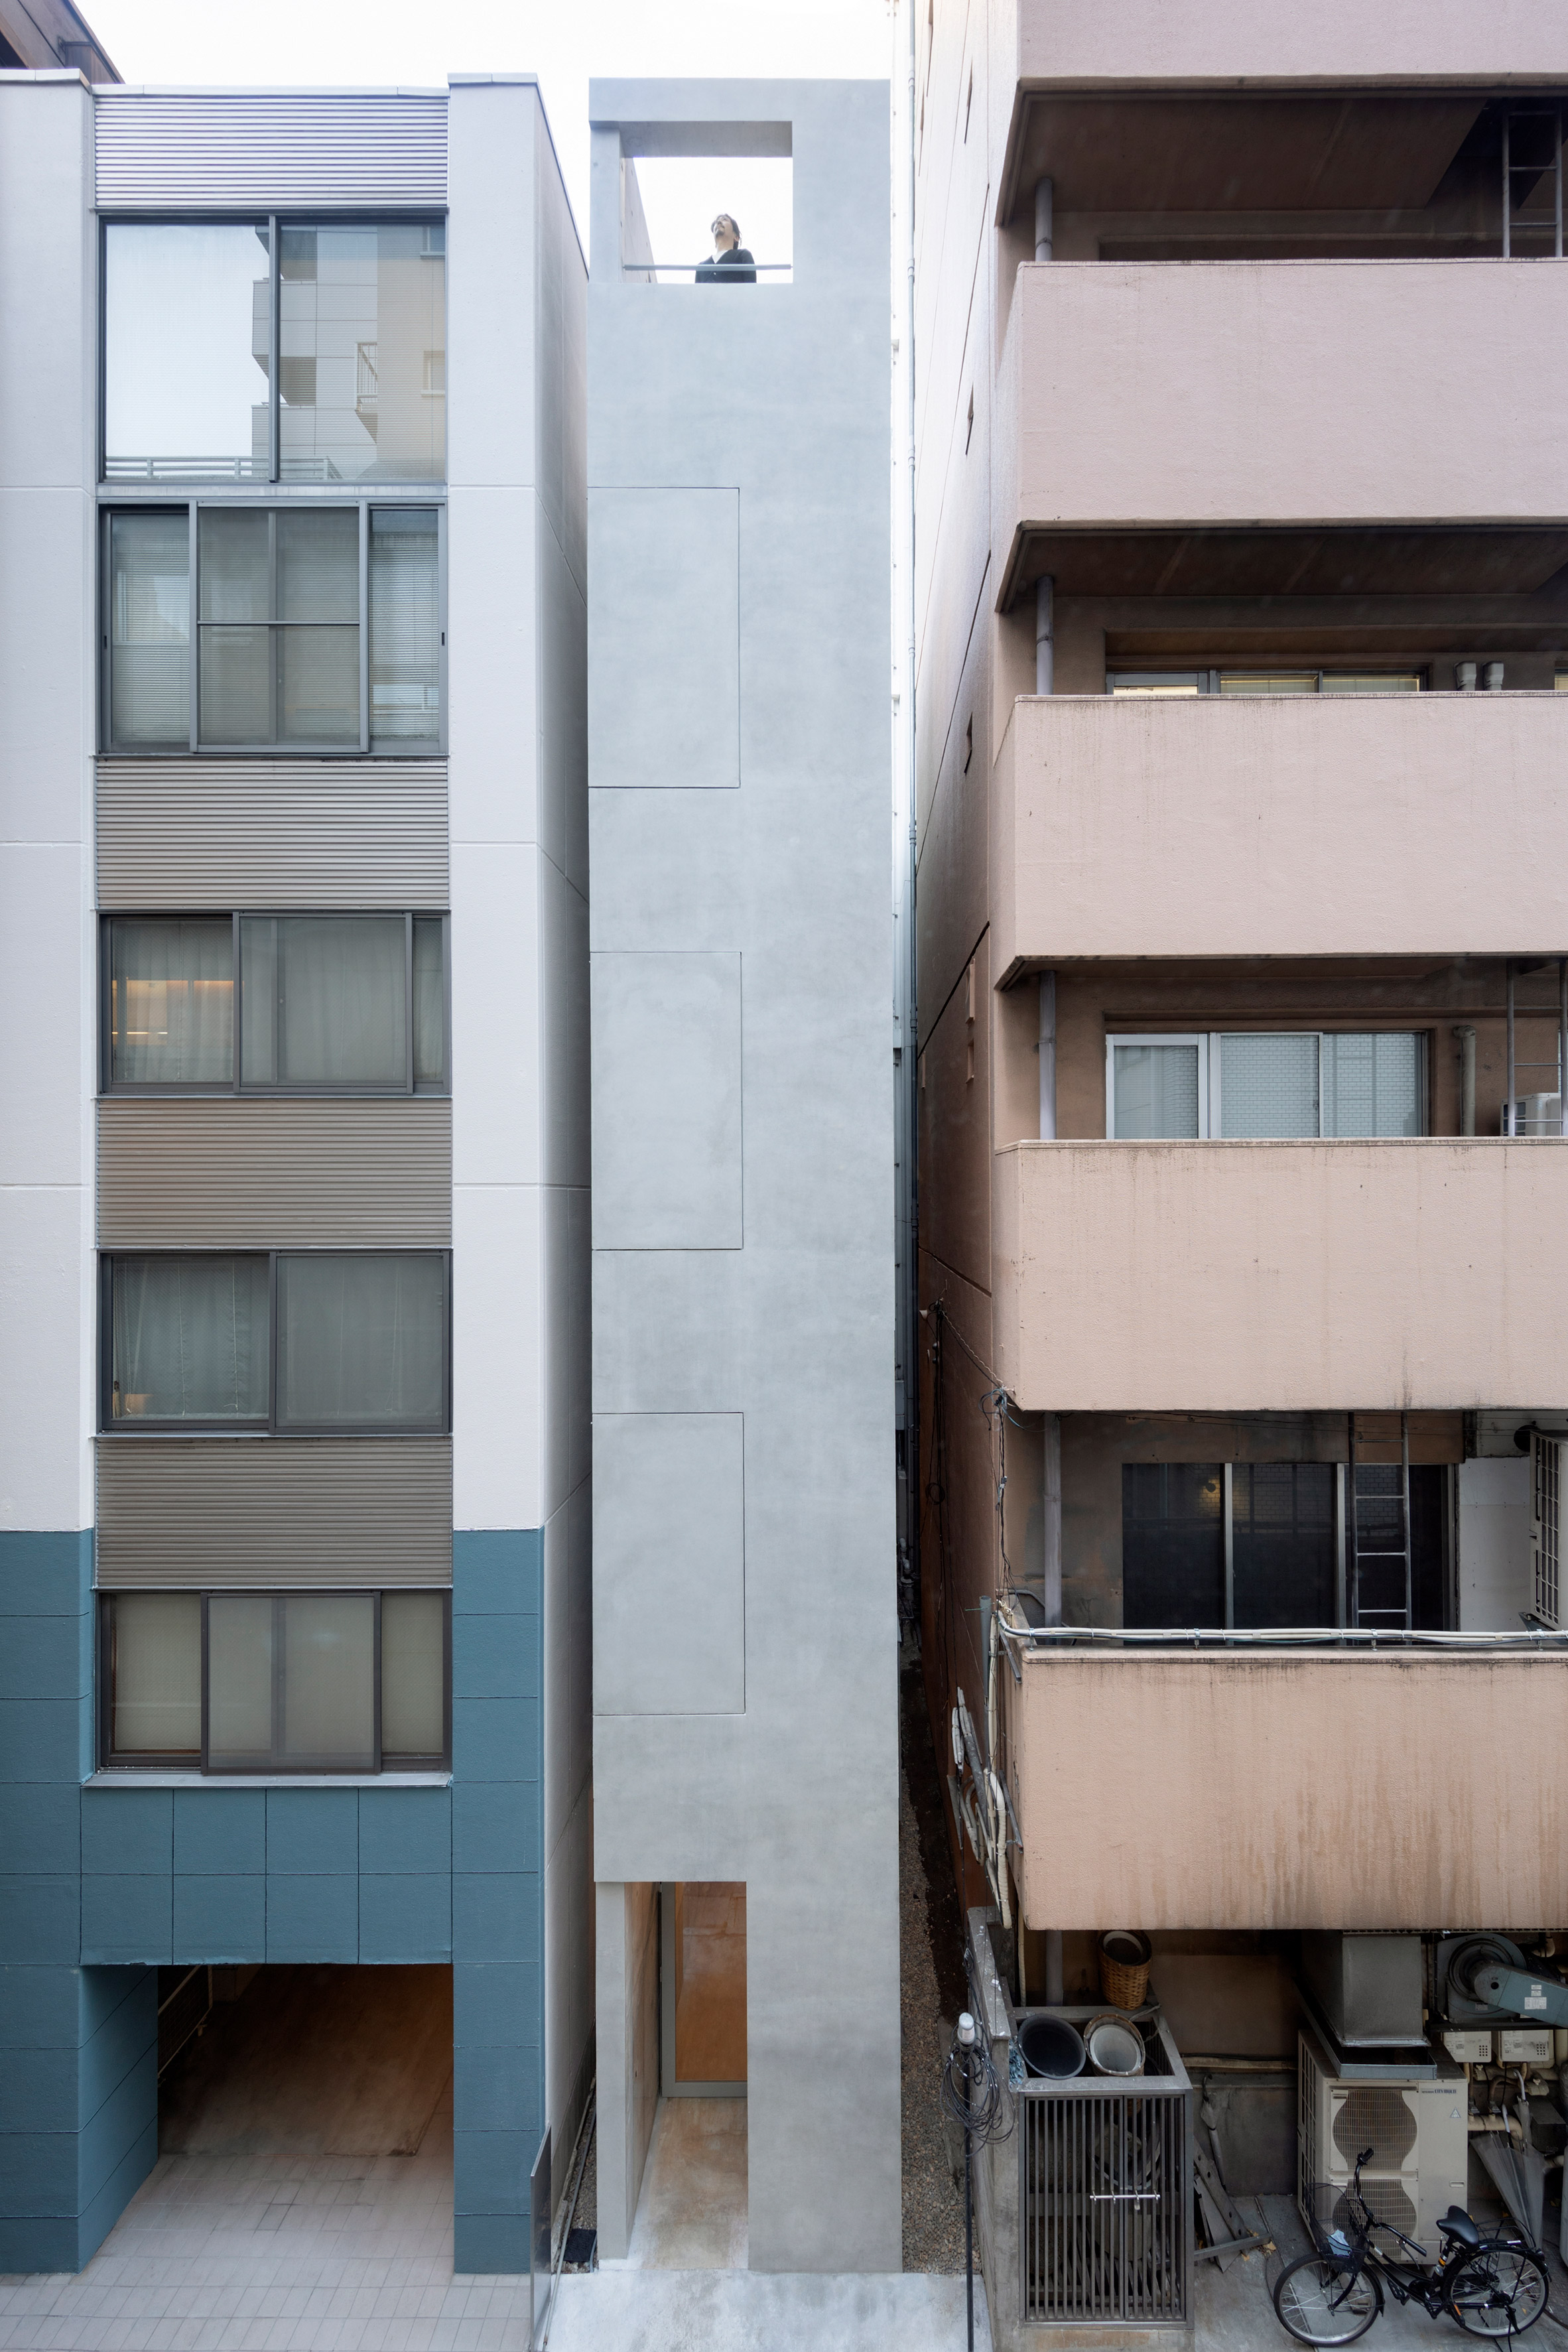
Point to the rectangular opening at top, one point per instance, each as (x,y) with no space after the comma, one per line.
(721,213)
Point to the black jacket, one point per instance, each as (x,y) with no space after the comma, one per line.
(735,267)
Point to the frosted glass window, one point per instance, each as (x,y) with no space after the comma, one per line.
(325,999)
(413,1673)
(405,627)
(1345,681)
(362,1341)
(1156,1090)
(190,1339)
(1155,683)
(1268,1085)
(240,1638)
(187,341)
(326,1700)
(1372,1083)
(429,1003)
(154,1668)
(362,365)
(1248,681)
(150,629)
(170,1002)
(278,609)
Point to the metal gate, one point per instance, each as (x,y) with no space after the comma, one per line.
(1106,2199)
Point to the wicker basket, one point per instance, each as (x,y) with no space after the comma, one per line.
(1124,1968)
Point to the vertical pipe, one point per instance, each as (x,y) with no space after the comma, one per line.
(1508,1113)
(1557,162)
(1229,1482)
(1051,1499)
(1046,634)
(1466,1037)
(1405,1487)
(1507,184)
(1047,1053)
(1563,1044)
(1045,220)
(1053,1967)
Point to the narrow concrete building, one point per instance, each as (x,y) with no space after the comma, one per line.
(294,1512)
(745,1599)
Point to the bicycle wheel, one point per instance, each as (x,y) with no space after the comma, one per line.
(1500,2290)
(1320,2302)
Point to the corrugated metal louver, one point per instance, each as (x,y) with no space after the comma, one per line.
(271,832)
(185,1512)
(243,1172)
(269,150)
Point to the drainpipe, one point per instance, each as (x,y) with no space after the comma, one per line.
(1466,1037)
(1046,635)
(1045,233)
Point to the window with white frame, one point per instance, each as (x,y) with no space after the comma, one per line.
(1258,1084)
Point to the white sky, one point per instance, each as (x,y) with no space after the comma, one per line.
(376,42)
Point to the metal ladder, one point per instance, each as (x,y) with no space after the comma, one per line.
(1533,182)
(1378,1550)
(1517,971)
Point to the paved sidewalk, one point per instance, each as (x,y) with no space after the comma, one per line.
(756,2310)
(329,2254)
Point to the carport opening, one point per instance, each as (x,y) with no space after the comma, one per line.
(283,2065)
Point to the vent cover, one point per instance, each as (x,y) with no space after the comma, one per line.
(270,151)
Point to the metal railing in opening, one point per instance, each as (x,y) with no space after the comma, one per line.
(184,2005)
(1105,2194)
(1543,1638)
(659,268)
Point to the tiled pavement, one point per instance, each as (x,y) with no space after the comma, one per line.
(272,2253)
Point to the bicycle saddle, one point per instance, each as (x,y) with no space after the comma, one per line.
(1457,2223)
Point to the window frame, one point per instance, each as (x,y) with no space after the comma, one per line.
(1210,1100)
(180,1759)
(270,498)
(266,1425)
(1180,685)
(338,1090)
(427,216)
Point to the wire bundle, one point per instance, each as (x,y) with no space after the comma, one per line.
(973,2094)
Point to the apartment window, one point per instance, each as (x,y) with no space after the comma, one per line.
(193,313)
(1180,682)
(1254,1544)
(275,1682)
(314,628)
(1267,1084)
(319,1343)
(328,1004)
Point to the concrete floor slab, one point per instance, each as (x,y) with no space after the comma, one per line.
(692,2214)
(622,2310)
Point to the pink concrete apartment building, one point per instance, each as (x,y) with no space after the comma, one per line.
(1241,574)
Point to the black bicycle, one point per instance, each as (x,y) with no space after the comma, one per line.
(1491,2286)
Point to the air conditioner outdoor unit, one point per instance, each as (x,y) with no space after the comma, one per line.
(1416,2132)
(1537,1115)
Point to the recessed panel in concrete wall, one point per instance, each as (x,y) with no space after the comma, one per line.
(670,1614)
(664,698)
(666,1101)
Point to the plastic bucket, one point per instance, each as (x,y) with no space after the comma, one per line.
(1052,2047)
(1114,2047)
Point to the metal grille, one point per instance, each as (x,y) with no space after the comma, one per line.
(1374,2115)
(1545,1520)
(1106,2192)
(184,2004)
(271,832)
(271,150)
(184,1513)
(247,1174)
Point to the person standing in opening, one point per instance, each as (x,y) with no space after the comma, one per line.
(731,264)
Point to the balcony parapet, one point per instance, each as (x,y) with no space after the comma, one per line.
(1417,1273)
(1279,825)
(1320,1786)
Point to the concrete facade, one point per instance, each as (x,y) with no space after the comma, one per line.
(108,1875)
(743,1268)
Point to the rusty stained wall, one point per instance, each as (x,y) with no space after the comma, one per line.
(1095,1446)
(1248,1789)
